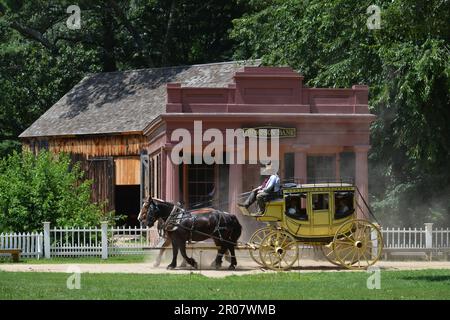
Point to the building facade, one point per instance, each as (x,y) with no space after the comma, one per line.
(324,132)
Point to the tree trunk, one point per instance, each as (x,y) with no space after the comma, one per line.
(109,59)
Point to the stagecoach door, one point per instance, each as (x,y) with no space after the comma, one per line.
(320,206)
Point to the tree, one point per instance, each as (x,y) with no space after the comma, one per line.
(406,64)
(45,187)
(41,59)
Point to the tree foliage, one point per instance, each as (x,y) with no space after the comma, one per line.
(41,58)
(41,188)
(406,64)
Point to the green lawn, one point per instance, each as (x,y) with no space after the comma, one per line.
(423,284)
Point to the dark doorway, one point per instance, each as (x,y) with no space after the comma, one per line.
(127,204)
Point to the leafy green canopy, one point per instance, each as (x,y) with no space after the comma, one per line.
(41,59)
(41,188)
(406,64)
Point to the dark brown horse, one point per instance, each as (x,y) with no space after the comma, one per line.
(196,225)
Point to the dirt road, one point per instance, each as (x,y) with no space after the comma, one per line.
(246,267)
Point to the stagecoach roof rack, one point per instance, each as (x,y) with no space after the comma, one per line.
(319,182)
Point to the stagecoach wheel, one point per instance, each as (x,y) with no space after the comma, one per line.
(278,250)
(255,242)
(357,244)
(330,255)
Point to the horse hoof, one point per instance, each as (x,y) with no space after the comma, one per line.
(232,267)
(195,265)
(218,266)
(170,267)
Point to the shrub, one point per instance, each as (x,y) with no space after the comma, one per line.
(41,188)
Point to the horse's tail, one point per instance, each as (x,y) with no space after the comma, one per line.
(236,229)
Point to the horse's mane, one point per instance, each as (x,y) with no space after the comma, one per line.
(163,202)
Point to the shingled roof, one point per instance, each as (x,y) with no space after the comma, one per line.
(124,101)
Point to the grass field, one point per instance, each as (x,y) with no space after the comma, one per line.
(422,284)
(57,260)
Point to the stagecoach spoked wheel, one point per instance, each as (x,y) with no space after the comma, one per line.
(329,254)
(357,244)
(278,250)
(255,243)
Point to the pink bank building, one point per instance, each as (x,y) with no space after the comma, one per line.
(324,132)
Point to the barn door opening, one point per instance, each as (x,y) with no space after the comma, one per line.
(127,189)
(127,204)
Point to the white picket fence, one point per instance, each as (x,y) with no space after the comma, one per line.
(416,238)
(77,242)
(108,241)
(31,244)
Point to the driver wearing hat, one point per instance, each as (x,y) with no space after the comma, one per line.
(264,192)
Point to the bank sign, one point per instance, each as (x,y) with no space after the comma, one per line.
(266,132)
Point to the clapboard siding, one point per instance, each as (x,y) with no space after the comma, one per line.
(101,172)
(93,146)
(127,170)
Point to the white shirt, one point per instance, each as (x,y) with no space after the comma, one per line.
(274,181)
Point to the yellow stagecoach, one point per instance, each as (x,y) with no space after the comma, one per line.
(322,215)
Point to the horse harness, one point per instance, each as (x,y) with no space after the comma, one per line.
(178,215)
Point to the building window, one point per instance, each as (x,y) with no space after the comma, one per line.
(347,166)
(289,167)
(201,184)
(321,169)
(43,144)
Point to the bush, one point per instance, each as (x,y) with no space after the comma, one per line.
(46,187)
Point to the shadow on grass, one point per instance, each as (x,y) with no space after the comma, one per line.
(428,278)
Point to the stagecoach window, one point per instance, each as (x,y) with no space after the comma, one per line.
(296,206)
(343,202)
(320,201)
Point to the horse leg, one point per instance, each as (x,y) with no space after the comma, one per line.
(173,264)
(233,258)
(220,253)
(227,256)
(183,263)
(191,261)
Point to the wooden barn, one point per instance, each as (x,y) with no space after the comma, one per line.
(100,123)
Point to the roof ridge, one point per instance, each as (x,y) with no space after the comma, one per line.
(175,67)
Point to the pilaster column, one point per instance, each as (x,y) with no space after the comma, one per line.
(362,180)
(172,183)
(235,177)
(234,187)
